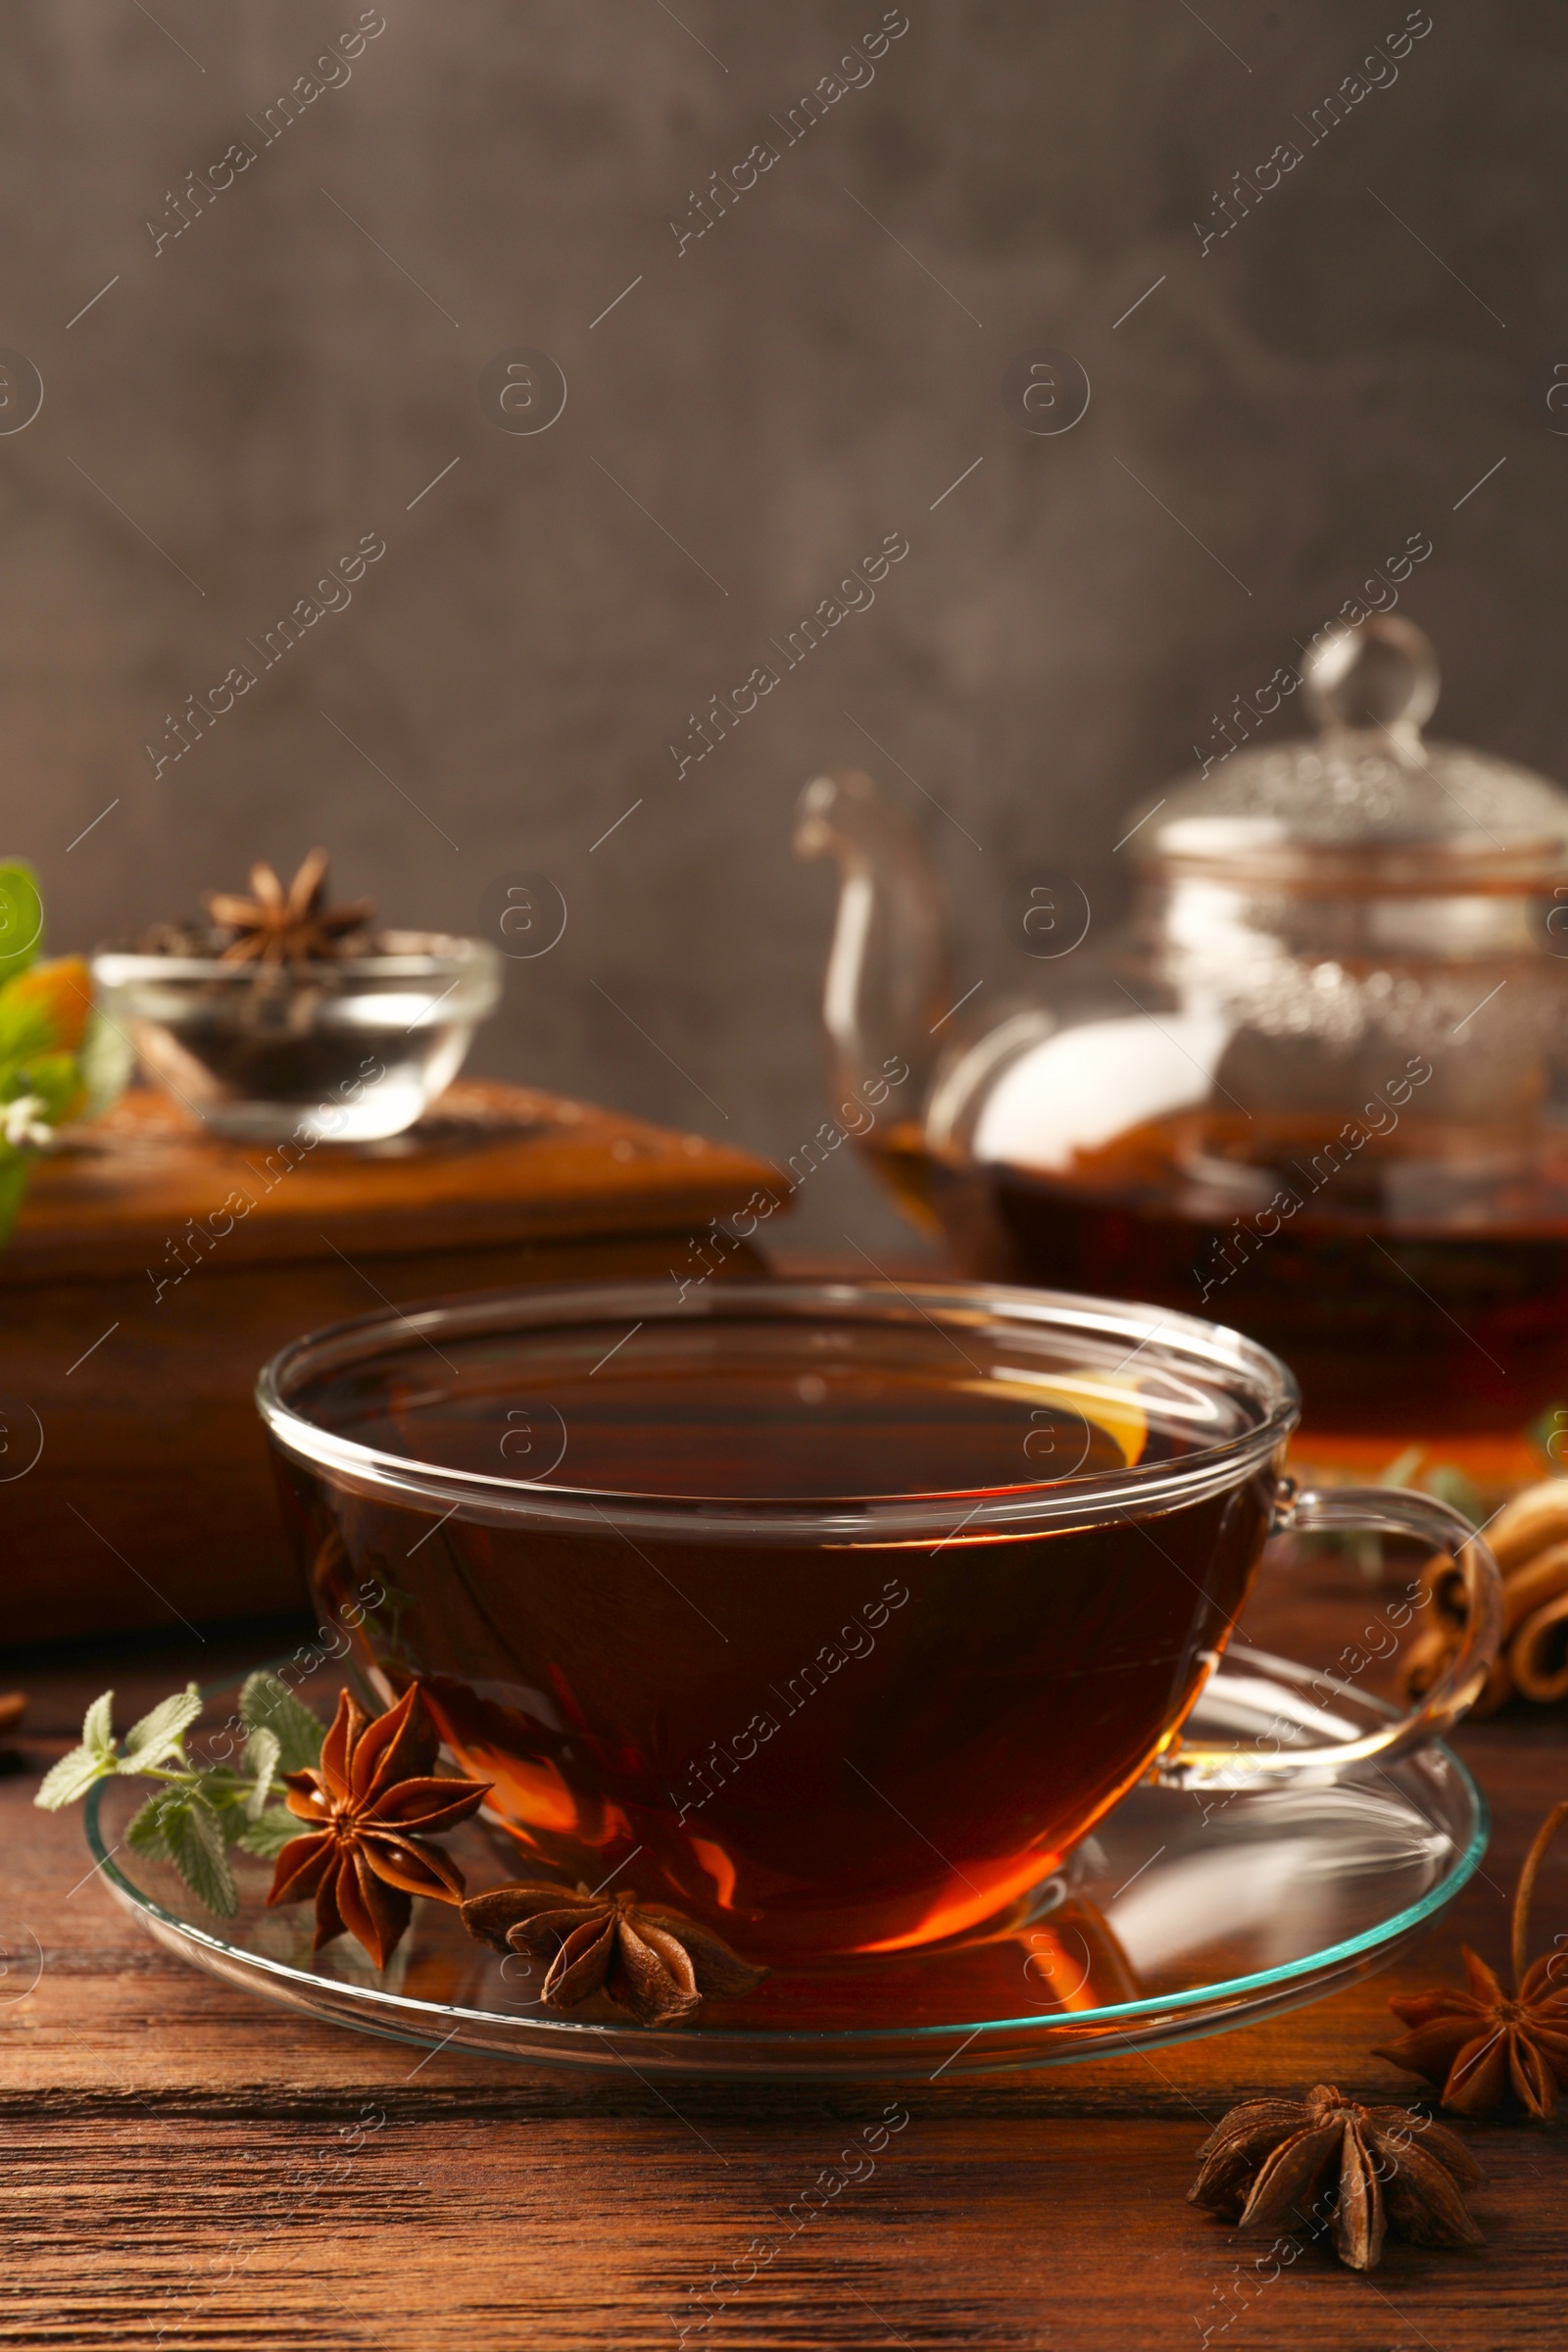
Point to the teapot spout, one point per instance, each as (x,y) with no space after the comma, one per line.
(889,969)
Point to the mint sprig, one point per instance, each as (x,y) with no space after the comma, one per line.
(198,1811)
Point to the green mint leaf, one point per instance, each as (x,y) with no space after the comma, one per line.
(105,1060)
(26,1025)
(160,1736)
(228,1795)
(21,917)
(221,1785)
(72,1777)
(270,1832)
(52,1077)
(1400,1472)
(266,1702)
(195,1839)
(262,1753)
(148,1829)
(98,1726)
(1452,1485)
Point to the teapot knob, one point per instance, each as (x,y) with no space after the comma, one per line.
(1381,671)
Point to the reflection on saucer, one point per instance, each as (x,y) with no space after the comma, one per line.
(1266,1879)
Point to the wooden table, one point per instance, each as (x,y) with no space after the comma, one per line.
(188,2168)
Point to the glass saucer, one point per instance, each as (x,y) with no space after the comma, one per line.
(1183,1913)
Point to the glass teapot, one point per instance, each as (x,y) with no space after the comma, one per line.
(1315,1087)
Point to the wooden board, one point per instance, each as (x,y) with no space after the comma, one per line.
(135,1312)
(181,2159)
(492,1165)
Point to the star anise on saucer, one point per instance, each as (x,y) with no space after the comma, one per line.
(1484,2044)
(1323,2161)
(372,1803)
(657,1963)
(274,925)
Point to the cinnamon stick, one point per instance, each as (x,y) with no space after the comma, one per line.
(1537,1654)
(1531,1586)
(1431,1655)
(1533,1558)
(1529,1523)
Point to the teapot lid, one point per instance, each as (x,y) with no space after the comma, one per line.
(1367,802)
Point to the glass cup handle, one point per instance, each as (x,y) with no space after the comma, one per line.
(1374,1510)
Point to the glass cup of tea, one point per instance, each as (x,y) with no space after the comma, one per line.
(831,1614)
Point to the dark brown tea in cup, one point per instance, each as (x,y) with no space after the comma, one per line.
(726,1673)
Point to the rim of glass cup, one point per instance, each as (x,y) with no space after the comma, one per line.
(1194,1352)
(441,954)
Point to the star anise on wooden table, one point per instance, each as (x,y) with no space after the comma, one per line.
(1482,2045)
(1324,2161)
(655,1961)
(274,925)
(372,1803)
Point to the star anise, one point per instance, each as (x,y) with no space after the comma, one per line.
(275,925)
(1482,2043)
(657,1963)
(362,1857)
(1278,2164)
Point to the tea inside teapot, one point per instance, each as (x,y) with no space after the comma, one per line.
(1317,1084)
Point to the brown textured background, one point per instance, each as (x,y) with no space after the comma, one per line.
(270,385)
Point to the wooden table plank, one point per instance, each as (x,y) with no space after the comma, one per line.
(1024,2230)
(185,2166)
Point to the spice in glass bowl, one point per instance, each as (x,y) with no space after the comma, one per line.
(284,1015)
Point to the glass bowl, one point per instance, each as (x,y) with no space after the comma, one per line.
(344,1052)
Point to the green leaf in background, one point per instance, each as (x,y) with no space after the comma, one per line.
(26,1027)
(194,1837)
(52,1077)
(13,1166)
(1548,1434)
(21,918)
(1445,1480)
(160,1736)
(266,1702)
(60,1060)
(105,1060)
(1401,1471)
(1456,1486)
(270,1832)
